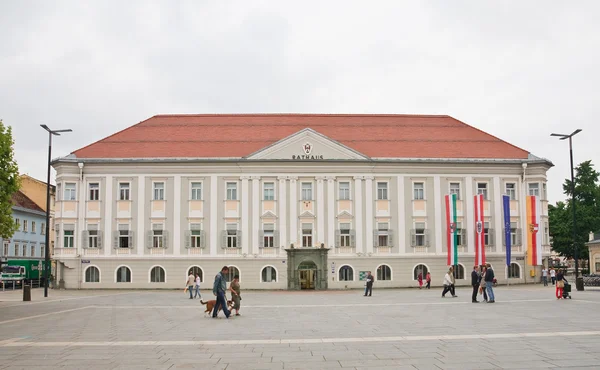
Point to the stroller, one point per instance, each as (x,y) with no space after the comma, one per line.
(566,291)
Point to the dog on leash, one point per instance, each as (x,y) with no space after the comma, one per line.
(210,305)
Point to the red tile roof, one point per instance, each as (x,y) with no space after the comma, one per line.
(239,135)
(21,200)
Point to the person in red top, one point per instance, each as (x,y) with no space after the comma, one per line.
(428,280)
(420,279)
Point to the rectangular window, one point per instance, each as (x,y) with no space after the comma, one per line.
(196,235)
(43,228)
(482,189)
(534,189)
(123,191)
(18,223)
(420,234)
(124,236)
(43,250)
(70,191)
(419,191)
(486,233)
(24,250)
(455,189)
(159,191)
(196,191)
(511,191)
(33,227)
(6,246)
(94,191)
(69,238)
(345,235)
(157,236)
(307,191)
(58,193)
(513,233)
(268,236)
(25,226)
(92,236)
(382,191)
(546,236)
(232,237)
(17,250)
(232,191)
(383,236)
(32,250)
(344,190)
(544,192)
(459,234)
(269,191)
(307,235)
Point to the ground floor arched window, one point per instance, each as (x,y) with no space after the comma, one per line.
(123,275)
(384,272)
(196,270)
(92,275)
(269,274)
(346,273)
(420,269)
(157,275)
(459,272)
(232,272)
(514,271)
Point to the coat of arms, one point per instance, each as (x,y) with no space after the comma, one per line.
(533,228)
(479,226)
(307,148)
(452,227)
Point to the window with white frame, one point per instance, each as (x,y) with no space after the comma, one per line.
(5,251)
(269,274)
(123,275)
(157,236)
(534,189)
(511,190)
(455,189)
(17,250)
(196,190)
(307,191)
(232,236)
(92,235)
(25,227)
(269,191)
(383,237)
(196,235)
(345,237)
(268,235)
(382,191)
(124,236)
(94,191)
(124,191)
(486,234)
(32,250)
(43,228)
(70,191)
(159,191)
(482,188)
(33,230)
(18,223)
(344,190)
(69,236)
(544,192)
(513,234)
(346,273)
(419,191)
(24,250)
(384,272)
(43,250)
(232,191)
(92,275)
(157,275)
(460,238)
(307,231)
(546,236)
(419,234)
(514,271)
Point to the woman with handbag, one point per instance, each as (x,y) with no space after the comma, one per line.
(482,287)
(560,284)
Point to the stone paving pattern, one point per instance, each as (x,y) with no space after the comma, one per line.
(356,330)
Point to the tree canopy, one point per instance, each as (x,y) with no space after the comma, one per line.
(9,181)
(587,212)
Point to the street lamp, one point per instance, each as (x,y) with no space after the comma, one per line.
(47,254)
(576,254)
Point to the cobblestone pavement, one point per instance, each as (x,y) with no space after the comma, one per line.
(395,329)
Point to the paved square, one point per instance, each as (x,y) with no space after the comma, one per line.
(397,329)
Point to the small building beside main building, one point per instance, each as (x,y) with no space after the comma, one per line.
(28,242)
(289,201)
(594,251)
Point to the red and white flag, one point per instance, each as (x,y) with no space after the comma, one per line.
(479,231)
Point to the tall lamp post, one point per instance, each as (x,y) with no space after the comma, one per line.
(575,254)
(47,253)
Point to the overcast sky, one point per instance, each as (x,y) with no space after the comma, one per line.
(516,69)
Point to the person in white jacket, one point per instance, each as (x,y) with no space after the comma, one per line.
(449,283)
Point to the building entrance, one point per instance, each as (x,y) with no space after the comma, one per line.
(308,275)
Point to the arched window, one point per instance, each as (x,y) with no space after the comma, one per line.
(123,275)
(269,274)
(196,270)
(514,271)
(157,274)
(384,272)
(346,273)
(459,272)
(420,269)
(232,272)
(92,275)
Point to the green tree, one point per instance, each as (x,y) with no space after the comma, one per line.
(587,212)
(9,181)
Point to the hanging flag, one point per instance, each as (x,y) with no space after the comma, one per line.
(534,239)
(451,230)
(479,232)
(507,238)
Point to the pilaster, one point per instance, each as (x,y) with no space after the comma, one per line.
(140,234)
(253,248)
(437,212)
(214,203)
(320,210)
(358,214)
(331,226)
(402,231)
(109,224)
(293,211)
(177,242)
(468,222)
(281,201)
(245,200)
(497,216)
(369,202)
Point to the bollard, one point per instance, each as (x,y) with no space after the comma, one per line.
(26,293)
(579,284)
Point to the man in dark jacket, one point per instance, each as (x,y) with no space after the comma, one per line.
(369,286)
(489,283)
(219,288)
(475,280)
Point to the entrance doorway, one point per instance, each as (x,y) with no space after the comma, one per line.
(308,275)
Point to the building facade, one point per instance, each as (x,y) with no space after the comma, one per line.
(143,207)
(594,253)
(28,242)
(36,191)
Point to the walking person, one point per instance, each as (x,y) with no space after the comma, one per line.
(489,282)
(545,276)
(369,285)
(236,294)
(420,279)
(219,288)
(453,286)
(553,275)
(560,284)
(191,281)
(475,277)
(448,283)
(428,280)
(197,293)
(482,287)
